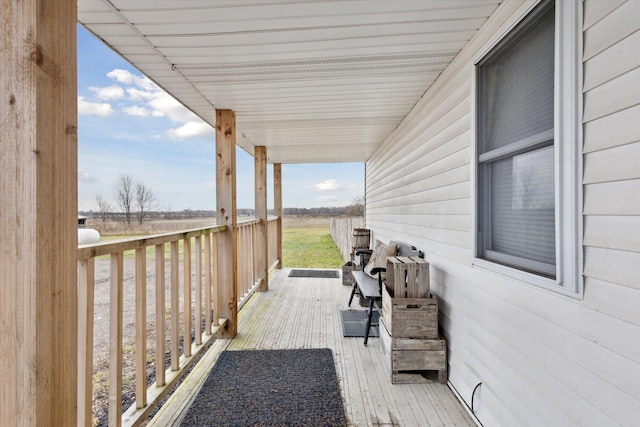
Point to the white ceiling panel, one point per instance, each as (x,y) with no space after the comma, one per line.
(315,81)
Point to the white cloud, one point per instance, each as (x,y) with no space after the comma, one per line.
(127,77)
(86,177)
(136,94)
(108,93)
(122,76)
(164,105)
(136,110)
(94,108)
(326,185)
(191,129)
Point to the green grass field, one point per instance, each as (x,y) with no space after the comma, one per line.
(306,243)
(309,247)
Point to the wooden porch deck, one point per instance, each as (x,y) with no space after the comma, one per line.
(305,313)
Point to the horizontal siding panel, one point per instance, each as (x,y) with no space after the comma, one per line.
(613,96)
(607,198)
(614,130)
(386,232)
(429,117)
(614,164)
(450,176)
(573,369)
(529,368)
(452,124)
(445,222)
(461,239)
(613,62)
(595,10)
(442,157)
(620,23)
(565,313)
(449,192)
(509,388)
(614,300)
(612,232)
(620,267)
(446,207)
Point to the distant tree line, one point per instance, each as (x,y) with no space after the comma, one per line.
(137,201)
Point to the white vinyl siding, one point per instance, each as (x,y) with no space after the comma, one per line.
(543,358)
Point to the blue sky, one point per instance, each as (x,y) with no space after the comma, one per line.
(128,125)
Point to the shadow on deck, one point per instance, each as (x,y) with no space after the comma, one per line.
(305,313)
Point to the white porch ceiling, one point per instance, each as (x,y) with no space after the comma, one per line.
(314,81)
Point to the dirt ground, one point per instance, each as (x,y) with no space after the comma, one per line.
(102,297)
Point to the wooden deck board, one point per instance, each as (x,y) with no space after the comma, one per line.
(305,313)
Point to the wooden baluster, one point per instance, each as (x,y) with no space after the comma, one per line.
(116,301)
(241,263)
(175,306)
(198,302)
(160,321)
(186,246)
(85,340)
(215,282)
(208,284)
(141,327)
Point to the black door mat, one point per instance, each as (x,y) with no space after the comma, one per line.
(354,323)
(320,274)
(270,388)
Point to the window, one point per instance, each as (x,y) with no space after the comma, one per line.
(524,224)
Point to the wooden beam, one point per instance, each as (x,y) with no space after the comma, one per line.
(38,218)
(262,231)
(226,213)
(277,207)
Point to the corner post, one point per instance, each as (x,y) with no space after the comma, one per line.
(262,235)
(227,215)
(277,208)
(38,219)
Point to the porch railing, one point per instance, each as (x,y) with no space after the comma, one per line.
(190,313)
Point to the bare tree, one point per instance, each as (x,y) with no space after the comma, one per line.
(103,207)
(356,208)
(123,192)
(144,201)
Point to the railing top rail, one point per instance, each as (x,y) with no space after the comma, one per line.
(248,222)
(98,249)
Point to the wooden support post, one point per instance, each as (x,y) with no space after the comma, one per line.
(38,223)
(227,215)
(277,207)
(262,231)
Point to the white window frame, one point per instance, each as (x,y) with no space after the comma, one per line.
(568,104)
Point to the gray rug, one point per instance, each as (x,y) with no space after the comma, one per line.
(270,388)
(320,274)
(354,323)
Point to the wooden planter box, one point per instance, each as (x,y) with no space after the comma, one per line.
(407,360)
(408,277)
(410,317)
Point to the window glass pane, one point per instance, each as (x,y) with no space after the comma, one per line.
(516,87)
(522,207)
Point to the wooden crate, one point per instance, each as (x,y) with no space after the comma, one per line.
(407,360)
(408,277)
(410,317)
